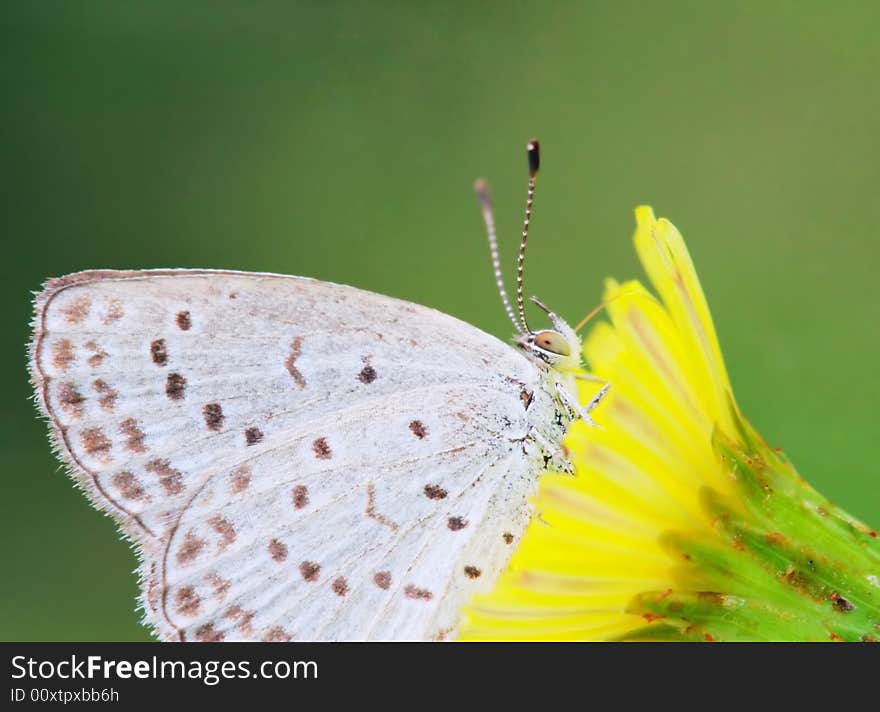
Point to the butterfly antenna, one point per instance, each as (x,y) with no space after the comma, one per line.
(534,163)
(482,190)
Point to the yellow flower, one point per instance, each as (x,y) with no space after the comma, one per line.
(680,523)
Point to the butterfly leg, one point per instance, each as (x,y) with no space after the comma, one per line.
(576,409)
(596,399)
(589,377)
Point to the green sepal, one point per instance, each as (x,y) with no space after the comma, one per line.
(780,563)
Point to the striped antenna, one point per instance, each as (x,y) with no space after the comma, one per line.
(534,163)
(482,190)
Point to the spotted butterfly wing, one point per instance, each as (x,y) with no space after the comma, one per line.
(294,459)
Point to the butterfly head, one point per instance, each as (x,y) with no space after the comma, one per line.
(559,347)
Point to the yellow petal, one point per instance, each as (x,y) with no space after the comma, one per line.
(666,260)
(595,543)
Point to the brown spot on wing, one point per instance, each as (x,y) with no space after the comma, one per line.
(62,354)
(383,580)
(98,354)
(508,538)
(472,572)
(190,548)
(170,479)
(526,398)
(129,486)
(114,312)
(184,322)
(300,496)
(456,523)
(277,550)
(322,449)
(372,513)
(214,417)
(207,634)
(417,594)
(219,584)
(242,618)
(441,634)
(252,436)
(309,571)
(276,634)
(418,429)
(340,586)
(108,395)
(70,399)
(94,442)
(78,310)
(175,386)
(368,374)
(187,601)
(135,436)
(241,479)
(159,352)
(290,363)
(225,529)
(435,492)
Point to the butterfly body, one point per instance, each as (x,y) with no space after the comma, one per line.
(294,459)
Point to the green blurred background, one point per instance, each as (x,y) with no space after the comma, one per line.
(340,140)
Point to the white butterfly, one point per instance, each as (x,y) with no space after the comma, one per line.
(296,459)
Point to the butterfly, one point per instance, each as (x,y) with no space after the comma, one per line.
(301,460)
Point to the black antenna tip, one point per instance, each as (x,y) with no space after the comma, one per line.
(534,149)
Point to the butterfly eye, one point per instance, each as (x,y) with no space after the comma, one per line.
(552,341)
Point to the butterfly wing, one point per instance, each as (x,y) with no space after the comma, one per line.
(293,458)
